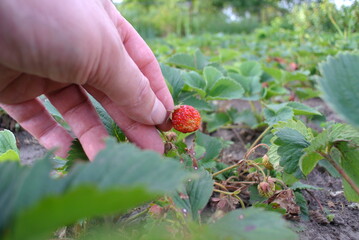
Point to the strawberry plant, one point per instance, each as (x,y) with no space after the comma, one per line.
(194,191)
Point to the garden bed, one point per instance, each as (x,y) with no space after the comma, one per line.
(330,199)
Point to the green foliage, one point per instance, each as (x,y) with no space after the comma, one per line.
(340,85)
(349,161)
(273,114)
(174,81)
(197,61)
(302,203)
(291,147)
(195,195)
(274,68)
(121,177)
(300,185)
(75,153)
(212,145)
(246,224)
(8,148)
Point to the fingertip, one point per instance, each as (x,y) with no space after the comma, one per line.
(167,124)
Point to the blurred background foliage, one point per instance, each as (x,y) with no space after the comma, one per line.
(159,18)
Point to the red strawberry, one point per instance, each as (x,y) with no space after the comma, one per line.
(186,119)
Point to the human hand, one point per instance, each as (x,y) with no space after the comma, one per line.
(64,49)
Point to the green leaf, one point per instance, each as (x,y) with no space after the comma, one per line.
(197,61)
(51,109)
(246,116)
(226,54)
(75,153)
(10,155)
(340,85)
(195,195)
(301,109)
(110,125)
(251,69)
(276,73)
(330,169)
(251,85)
(211,75)
(273,207)
(196,82)
(308,161)
(296,125)
(83,202)
(252,224)
(7,142)
(225,89)
(218,120)
(273,116)
(300,185)
(29,191)
(183,60)
(174,80)
(276,91)
(212,145)
(302,203)
(350,164)
(291,147)
(336,133)
(200,60)
(295,76)
(199,104)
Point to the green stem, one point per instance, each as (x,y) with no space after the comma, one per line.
(227,168)
(231,194)
(253,107)
(260,137)
(240,201)
(250,162)
(335,24)
(341,171)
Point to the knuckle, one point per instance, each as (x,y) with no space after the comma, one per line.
(143,93)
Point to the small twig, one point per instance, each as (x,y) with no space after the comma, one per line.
(220,185)
(250,162)
(228,168)
(230,178)
(234,194)
(240,201)
(244,182)
(224,192)
(253,107)
(281,183)
(252,149)
(316,199)
(341,171)
(260,137)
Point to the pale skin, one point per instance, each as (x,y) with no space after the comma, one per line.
(66,48)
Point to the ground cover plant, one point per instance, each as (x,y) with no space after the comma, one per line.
(194,192)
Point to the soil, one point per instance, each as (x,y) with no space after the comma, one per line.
(345,225)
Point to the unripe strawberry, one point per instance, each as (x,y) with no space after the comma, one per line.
(267,164)
(186,119)
(266,189)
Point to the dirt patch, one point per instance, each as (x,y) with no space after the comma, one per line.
(30,149)
(345,225)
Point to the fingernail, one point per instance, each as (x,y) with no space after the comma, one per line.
(159,113)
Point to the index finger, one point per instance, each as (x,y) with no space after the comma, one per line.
(143,56)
